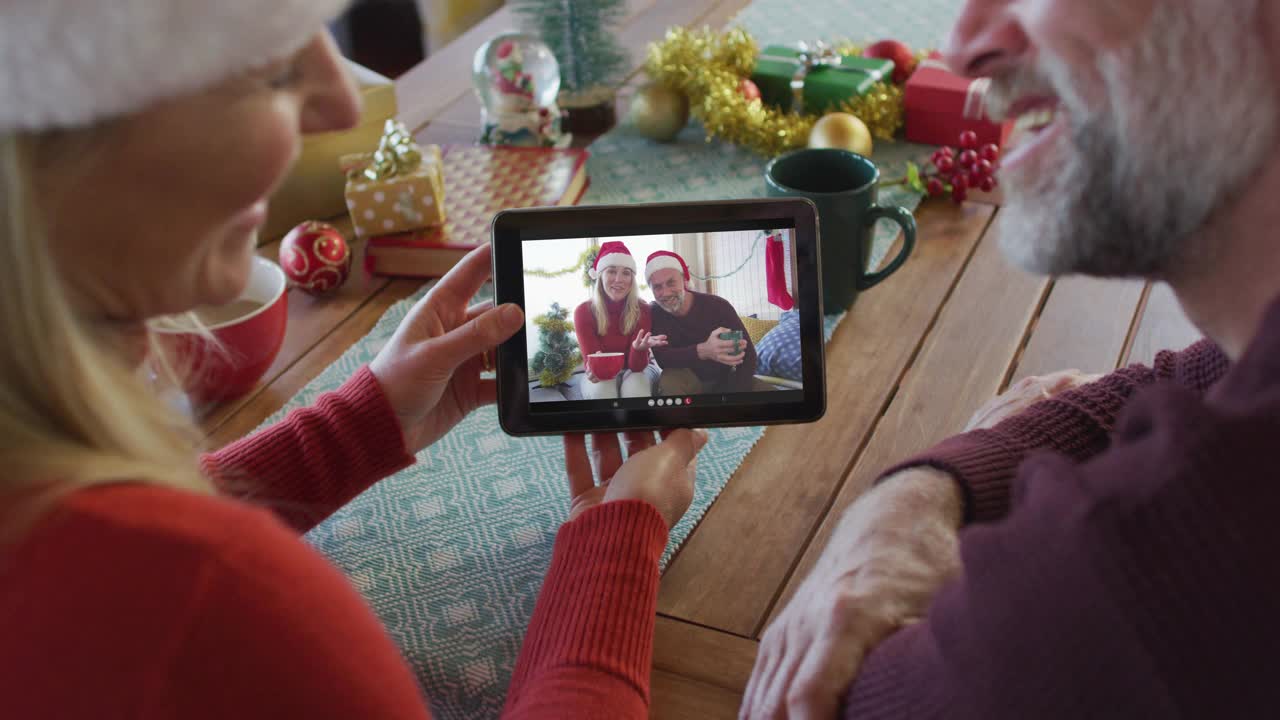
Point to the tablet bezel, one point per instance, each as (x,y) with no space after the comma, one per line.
(510,228)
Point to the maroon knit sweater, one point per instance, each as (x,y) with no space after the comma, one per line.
(1130,571)
(684,334)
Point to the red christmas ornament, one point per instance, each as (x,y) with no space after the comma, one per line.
(315,257)
(904,61)
(749,90)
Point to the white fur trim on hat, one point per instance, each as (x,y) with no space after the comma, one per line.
(613,259)
(71,63)
(663,262)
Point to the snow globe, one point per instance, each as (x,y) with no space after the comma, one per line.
(518,80)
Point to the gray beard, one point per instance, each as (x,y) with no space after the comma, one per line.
(1136,207)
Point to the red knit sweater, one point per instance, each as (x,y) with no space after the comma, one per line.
(1121,561)
(590,341)
(134,601)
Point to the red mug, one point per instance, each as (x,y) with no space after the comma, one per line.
(606,366)
(246,344)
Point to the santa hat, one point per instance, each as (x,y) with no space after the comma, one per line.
(612,254)
(72,63)
(665,260)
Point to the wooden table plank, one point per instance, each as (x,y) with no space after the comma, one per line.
(720,581)
(323,354)
(964,361)
(1084,325)
(723,14)
(703,654)
(1163,326)
(442,133)
(678,698)
(310,321)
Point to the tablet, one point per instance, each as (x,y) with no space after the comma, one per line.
(656,316)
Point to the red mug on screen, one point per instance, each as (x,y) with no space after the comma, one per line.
(606,366)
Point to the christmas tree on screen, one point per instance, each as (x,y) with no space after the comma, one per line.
(580,34)
(558,355)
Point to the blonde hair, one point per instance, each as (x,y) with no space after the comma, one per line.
(630,313)
(73,410)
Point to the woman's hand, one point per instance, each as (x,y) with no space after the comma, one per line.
(647,341)
(430,369)
(661,475)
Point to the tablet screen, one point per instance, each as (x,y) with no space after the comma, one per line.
(663,321)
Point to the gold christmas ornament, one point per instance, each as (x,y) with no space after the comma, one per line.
(708,67)
(659,112)
(843,132)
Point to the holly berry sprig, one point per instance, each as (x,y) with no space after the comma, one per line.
(957,170)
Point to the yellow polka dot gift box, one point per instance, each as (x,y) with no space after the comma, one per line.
(397,188)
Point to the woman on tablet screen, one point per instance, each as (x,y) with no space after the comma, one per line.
(613,329)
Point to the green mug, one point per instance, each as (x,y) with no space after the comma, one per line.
(736,337)
(844,185)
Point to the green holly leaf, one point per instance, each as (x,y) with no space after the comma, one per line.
(914,180)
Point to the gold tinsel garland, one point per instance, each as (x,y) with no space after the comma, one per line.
(709,68)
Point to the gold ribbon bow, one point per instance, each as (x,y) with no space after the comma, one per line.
(397,154)
(821,55)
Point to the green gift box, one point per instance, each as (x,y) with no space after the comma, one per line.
(829,79)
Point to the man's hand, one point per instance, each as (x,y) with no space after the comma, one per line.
(1025,393)
(890,553)
(721,351)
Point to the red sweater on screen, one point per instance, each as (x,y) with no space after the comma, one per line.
(590,341)
(1121,557)
(134,601)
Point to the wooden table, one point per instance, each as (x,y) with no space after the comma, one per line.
(911,362)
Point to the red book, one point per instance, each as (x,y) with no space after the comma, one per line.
(940,105)
(479,181)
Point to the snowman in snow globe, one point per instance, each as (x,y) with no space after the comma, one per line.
(518,80)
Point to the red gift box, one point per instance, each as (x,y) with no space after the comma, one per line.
(940,105)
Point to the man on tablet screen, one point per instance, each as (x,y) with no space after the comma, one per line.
(708,350)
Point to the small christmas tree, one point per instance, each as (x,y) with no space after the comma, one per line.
(558,355)
(580,35)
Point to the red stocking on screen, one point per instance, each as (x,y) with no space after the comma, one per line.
(775,271)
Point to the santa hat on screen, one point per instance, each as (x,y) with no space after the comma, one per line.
(665,260)
(612,254)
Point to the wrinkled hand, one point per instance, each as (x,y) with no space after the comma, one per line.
(892,550)
(430,369)
(661,475)
(1025,393)
(647,341)
(592,377)
(721,351)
